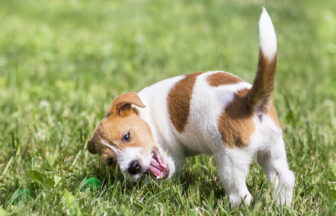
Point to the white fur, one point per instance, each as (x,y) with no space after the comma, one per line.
(127,155)
(268,44)
(133,153)
(117,151)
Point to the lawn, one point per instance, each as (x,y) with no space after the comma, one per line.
(62,62)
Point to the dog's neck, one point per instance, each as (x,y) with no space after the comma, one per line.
(146,116)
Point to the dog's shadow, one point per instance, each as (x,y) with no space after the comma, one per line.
(203,180)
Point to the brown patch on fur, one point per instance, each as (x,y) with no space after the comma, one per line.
(121,105)
(91,145)
(236,122)
(122,118)
(179,101)
(273,114)
(261,92)
(222,78)
(113,128)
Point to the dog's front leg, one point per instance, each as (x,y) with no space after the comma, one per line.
(233,167)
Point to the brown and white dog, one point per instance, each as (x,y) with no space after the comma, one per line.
(213,113)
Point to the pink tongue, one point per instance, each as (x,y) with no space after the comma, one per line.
(157,166)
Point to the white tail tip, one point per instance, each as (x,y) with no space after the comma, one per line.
(268,43)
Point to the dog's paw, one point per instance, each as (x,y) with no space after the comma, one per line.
(236,199)
(284,192)
(285,197)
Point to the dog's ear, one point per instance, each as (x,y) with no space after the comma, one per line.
(91,145)
(122,105)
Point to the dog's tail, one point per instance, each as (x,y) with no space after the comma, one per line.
(260,96)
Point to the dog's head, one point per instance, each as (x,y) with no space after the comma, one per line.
(123,138)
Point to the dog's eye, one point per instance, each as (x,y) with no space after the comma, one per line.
(110,161)
(126,137)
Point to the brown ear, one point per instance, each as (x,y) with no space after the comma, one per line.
(122,104)
(91,145)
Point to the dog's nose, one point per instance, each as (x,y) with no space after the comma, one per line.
(134,167)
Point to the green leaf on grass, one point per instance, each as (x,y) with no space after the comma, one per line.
(69,198)
(41,179)
(72,204)
(57,179)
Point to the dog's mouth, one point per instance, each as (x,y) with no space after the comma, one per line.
(158,166)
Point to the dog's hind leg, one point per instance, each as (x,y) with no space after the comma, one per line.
(274,163)
(233,167)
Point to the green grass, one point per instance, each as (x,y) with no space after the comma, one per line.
(62,62)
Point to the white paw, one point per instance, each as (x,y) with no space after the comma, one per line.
(236,199)
(284,197)
(248,199)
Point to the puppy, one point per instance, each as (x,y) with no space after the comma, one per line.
(213,113)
